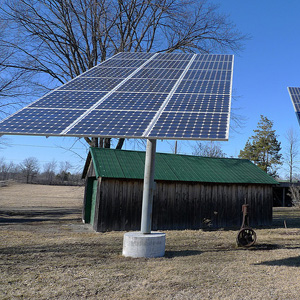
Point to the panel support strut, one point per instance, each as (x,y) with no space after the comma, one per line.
(148,187)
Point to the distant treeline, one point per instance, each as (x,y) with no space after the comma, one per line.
(29,171)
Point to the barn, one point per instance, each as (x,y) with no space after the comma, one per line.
(190,192)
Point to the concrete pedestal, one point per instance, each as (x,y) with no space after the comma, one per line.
(137,244)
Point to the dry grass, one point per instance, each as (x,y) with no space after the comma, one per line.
(48,255)
(30,196)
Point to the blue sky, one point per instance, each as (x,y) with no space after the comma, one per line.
(262,72)
(268,65)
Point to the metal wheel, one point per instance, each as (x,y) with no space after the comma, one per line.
(246,237)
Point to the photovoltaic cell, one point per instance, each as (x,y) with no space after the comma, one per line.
(167,64)
(109,72)
(133,55)
(68,100)
(40,121)
(133,101)
(113,123)
(178,125)
(198,103)
(207,75)
(91,84)
(210,65)
(158,73)
(137,95)
(204,87)
(173,56)
(121,63)
(148,85)
(295,96)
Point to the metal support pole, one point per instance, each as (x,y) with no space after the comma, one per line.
(148,187)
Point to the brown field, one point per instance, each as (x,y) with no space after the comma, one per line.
(47,253)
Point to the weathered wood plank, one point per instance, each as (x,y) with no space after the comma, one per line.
(180,205)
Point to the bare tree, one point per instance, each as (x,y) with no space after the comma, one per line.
(49,171)
(208,149)
(175,146)
(63,38)
(237,120)
(30,168)
(292,152)
(64,171)
(15,83)
(5,169)
(294,193)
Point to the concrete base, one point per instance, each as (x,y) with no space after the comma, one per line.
(137,244)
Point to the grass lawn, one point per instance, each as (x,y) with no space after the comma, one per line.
(47,253)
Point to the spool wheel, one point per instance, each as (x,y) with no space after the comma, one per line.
(246,237)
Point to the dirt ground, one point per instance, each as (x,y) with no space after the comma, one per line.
(47,253)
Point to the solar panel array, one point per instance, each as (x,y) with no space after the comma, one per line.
(137,95)
(295,96)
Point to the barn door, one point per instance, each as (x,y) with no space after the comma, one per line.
(90,200)
(93,204)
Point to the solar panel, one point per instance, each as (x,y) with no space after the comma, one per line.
(91,84)
(108,72)
(69,99)
(137,95)
(295,96)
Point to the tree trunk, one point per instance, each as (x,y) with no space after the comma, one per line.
(107,142)
(120,143)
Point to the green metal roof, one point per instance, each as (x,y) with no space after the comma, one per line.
(111,163)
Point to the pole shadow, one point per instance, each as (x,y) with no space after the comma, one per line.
(182,253)
(288,262)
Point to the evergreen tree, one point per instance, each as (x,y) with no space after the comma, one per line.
(263,147)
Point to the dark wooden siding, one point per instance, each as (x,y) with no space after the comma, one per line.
(180,205)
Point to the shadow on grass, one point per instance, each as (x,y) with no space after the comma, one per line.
(37,215)
(78,250)
(6,221)
(289,262)
(262,247)
(181,253)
